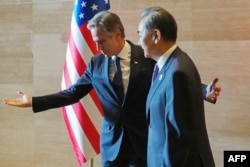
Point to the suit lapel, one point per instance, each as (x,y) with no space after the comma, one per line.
(106,70)
(160,77)
(107,79)
(135,63)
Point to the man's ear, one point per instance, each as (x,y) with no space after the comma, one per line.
(156,35)
(117,32)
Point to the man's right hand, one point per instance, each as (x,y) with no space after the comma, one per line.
(24,101)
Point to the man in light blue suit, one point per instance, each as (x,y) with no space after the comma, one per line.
(177,135)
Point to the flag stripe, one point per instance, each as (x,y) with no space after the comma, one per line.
(80,42)
(66,75)
(90,106)
(87,126)
(76,134)
(75,36)
(90,101)
(82,141)
(77,59)
(78,152)
(72,72)
(88,37)
(84,120)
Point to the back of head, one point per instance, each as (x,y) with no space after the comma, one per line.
(159,18)
(108,21)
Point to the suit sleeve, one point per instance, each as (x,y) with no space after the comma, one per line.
(66,97)
(204,91)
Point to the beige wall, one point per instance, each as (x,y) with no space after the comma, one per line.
(33,37)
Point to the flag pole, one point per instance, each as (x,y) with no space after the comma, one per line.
(91,164)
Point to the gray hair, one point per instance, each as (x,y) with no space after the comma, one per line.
(108,21)
(159,18)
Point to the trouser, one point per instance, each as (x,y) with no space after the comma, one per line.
(127,157)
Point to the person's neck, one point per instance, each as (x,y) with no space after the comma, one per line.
(165,47)
(162,49)
(121,46)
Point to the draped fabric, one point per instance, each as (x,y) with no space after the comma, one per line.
(82,119)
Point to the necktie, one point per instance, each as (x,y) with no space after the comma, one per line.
(117,81)
(155,73)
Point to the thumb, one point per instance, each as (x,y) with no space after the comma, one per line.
(215,81)
(20,93)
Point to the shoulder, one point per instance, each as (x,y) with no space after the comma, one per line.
(135,48)
(96,61)
(181,58)
(97,57)
(138,53)
(183,63)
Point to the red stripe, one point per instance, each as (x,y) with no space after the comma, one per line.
(84,120)
(66,76)
(76,56)
(80,156)
(88,37)
(79,63)
(89,40)
(87,126)
(92,93)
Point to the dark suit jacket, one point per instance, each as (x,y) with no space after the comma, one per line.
(119,115)
(175,112)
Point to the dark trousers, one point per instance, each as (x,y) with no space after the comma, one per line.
(127,157)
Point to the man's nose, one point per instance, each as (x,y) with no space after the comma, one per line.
(99,47)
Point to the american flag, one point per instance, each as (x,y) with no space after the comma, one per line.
(82,119)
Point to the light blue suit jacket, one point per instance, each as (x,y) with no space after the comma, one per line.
(175,114)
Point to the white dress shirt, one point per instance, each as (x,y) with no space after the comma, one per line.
(125,56)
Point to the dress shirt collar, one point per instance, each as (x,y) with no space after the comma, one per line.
(125,52)
(165,56)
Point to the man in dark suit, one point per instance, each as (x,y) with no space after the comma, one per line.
(124,128)
(177,135)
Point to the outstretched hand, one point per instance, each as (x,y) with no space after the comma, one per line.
(24,101)
(213,91)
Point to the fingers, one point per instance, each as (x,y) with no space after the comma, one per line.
(15,102)
(215,81)
(20,92)
(9,102)
(216,89)
(5,101)
(212,99)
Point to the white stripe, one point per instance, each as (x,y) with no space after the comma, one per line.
(80,42)
(73,74)
(63,85)
(87,101)
(86,54)
(93,112)
(80,137)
